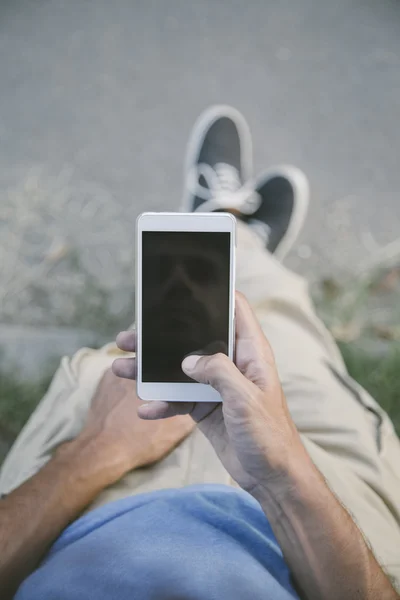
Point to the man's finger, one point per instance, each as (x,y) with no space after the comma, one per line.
(126,340)
(163,410)
(218,371)
(247,325)
(253,354)
(125,367)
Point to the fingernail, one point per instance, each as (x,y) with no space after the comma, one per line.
(190,362)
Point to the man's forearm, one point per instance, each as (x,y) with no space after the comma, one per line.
(34,515)
(322,546)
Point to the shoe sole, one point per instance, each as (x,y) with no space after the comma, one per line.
(301,190)
(198,134)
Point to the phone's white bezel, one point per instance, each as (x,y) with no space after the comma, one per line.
(181,392)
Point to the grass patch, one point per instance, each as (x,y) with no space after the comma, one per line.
(17,402)
(379,376)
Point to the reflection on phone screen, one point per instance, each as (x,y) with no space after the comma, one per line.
(185,300)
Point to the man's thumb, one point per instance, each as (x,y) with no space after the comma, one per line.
(217,370)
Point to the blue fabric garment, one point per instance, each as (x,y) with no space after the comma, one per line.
(201,542)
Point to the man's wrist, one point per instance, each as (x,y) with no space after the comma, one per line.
(88,469)
(295,477)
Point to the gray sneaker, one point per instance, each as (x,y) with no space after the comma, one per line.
(219,164)
(284,196)
(218,177)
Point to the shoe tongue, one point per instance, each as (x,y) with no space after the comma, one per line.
(228,176)
(216,181)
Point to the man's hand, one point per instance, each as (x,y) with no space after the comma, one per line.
(257,441)
(115,440)
(251,430)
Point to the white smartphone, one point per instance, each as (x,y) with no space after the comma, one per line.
(185,296)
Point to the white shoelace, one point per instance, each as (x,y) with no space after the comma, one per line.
(224,189)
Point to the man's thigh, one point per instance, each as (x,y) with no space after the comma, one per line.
(59,417)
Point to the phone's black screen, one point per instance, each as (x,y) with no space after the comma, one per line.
(185,300)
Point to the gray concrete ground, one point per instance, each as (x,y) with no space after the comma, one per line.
(97,100)
(33,348)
